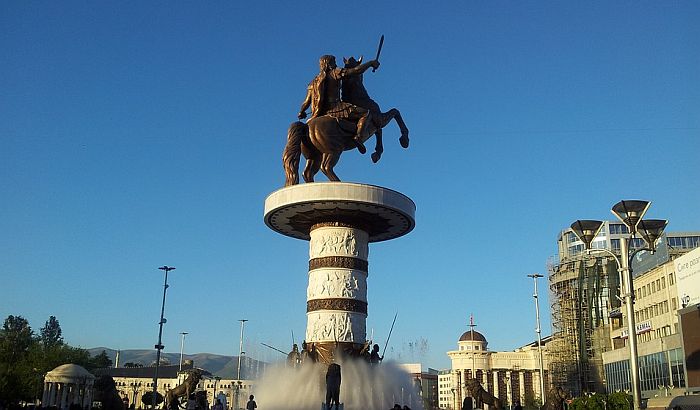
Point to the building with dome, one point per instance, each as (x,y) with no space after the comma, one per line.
(66,385)
(513,377)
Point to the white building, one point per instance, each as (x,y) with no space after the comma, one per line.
(513,377)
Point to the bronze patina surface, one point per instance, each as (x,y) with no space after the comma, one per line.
(336,124)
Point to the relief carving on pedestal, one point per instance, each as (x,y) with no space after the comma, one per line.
(337,284)
(334,327)
(329,242)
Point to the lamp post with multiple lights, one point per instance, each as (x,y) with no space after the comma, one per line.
(538,330)
(160,346)
(630,213)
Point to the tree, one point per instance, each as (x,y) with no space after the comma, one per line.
(50,334)
(16,339)
(26,358)
(101,361)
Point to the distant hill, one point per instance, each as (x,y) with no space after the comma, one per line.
(219,365)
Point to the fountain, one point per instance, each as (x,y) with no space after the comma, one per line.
(339,220)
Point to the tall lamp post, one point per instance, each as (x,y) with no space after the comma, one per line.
(160,346)
(240,352)
(538,330)
(182,348)
(629,213)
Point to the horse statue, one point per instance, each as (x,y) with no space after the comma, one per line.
(323,139)
(481,396)
(353,91)
(172,396)
(555,399)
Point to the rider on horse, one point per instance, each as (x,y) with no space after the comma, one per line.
(323,95)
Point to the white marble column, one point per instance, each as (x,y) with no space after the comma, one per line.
(495,384)
(45,394)
(509,387)
(64,397)
(337,292)
(521,387)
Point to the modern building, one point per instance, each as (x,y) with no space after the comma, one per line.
(426,384)
(513,377)
(665,342)
(586,306)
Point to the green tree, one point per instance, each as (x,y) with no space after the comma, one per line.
(101,361)
(25,358)
(16,340)
(619,401)
(50,334)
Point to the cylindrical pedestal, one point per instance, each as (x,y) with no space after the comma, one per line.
(339,220)
(336,299)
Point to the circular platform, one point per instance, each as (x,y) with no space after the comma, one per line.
(383,213)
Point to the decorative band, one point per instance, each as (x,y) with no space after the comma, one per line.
(346,262)
(346,305)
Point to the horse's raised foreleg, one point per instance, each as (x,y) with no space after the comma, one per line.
(379,148)
(396,115)
(327,163)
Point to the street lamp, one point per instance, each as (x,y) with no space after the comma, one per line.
(160,346)
(240,348)
(182,348)
(240,352)
(534,277)
(213,396)
(629,213)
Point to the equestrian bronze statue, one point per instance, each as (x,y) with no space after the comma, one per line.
(336,124)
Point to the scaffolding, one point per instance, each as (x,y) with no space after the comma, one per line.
(582,293)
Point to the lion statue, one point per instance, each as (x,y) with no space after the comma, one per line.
(481,396)
(172,396)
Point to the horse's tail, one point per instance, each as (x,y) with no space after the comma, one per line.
(292,152)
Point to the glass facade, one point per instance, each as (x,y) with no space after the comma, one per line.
(656,371)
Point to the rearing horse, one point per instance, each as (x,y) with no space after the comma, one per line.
(323,139)
(354,92)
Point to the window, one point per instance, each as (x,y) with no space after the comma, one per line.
(674,304)
(617,229)
(653,287)
(615,244)
(663,282)
(670,279)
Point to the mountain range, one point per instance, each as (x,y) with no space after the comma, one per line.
(225,367)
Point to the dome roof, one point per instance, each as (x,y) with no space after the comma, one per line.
(467,337)
(70,371)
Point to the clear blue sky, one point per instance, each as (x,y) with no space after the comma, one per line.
(138,134)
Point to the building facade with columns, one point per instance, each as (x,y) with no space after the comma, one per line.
(513,377)
(68,385)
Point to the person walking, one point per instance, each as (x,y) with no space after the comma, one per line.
(251,405)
